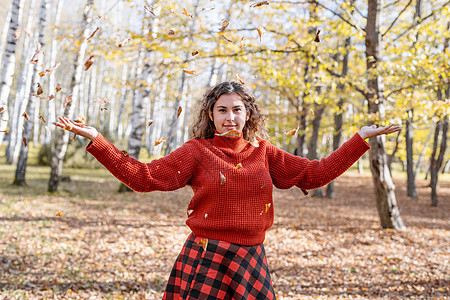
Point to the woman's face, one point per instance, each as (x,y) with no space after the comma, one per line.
(229,113)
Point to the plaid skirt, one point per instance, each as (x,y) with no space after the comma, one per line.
(212,269)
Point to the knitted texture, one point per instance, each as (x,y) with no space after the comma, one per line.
(232,180)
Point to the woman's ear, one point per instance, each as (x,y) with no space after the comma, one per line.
(210,116)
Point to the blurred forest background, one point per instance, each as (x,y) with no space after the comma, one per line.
(320,70)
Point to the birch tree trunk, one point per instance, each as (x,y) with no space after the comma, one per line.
(62,139)
(384,187)
(8,64)
(19,178)
(4,35)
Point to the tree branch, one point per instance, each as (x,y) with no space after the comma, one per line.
(398,16)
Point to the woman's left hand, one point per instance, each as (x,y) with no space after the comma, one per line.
(371,131)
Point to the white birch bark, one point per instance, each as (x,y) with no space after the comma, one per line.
(19,178)
(159,118)
(4,36)
(8,64)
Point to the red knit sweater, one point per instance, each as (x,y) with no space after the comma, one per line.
(236,207)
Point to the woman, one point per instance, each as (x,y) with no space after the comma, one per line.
(231,170)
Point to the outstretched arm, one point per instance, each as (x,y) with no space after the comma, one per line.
(372,131)
(80,129)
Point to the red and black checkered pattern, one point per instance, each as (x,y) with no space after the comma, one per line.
(223,271)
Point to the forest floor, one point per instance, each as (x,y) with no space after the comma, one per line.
(122,246)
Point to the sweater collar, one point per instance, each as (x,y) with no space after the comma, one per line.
(235,144)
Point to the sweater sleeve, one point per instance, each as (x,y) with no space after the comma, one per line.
(165,174)
(288,170)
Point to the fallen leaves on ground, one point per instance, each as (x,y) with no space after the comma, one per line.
(122,246)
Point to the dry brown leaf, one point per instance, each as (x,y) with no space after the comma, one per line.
(42,73)
(291,132)
(24,140)
(241,44)
(154,10)
(207,8)
(194,53)
(239,78)
(317,39)
(39,90)
(1,109)
(124,42)
(203,243)
(259,4)
(87,8)
(59,214)
(186,13)
(58,87)
(101,101)
(28,32)
(238,166)
(103,108)
(225,24)
(159,141)
(4,131)
(37,54)
(171,32)
(222,178)
(67,100)
(92,34)
(51,97)
(125,152)
(180,109)
(25,115)
(191,72)
(89,62)
(149,123)
(261,32)
(17,33)
(42,119)
(226,39)
(50,70)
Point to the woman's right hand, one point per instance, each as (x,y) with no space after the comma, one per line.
(88,132)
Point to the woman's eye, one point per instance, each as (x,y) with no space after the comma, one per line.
(221,110)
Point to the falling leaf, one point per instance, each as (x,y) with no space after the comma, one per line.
(67,100)
(203,243)
(261,32)
(317,39)
(59,214)
(171,32)
(2,109)
(39,90)
(51,97)
(263,186)
(103,108)
(268,206)
(80,235)
(238,166)
(42,119)
(260,4)
(125,152)
(239,78)
(241,43)
(73,138)
(154,10)
(180,109)
(149,123)
(207,8)
(225,24)
(50,70)
(4,131)
(42,73)
(102,101)
(17,33)
(92,34)
(24,140)
(191,72)
(58,87)
(37,54)
(194,53)
(28,32)
(186,13)
(226,39)
(159,141)
(231,133)
(190,211)
(87,8)
(89,62)
(124,42)
(291,132)
(26,116)
(222,178)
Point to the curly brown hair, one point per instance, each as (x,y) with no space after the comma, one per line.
(253,128)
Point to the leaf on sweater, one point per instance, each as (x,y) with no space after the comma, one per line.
(291,132)
(180,109)
(25,115)
(125,152)
(59,214)
(254,142)
(225,24)
(222,178)
(190,211)
(24,140)
(259,4)
(42,119)
(238,166)
(203,243)
(239,78)
(159,141)
(206,215)
(231,133)
(268,206)
(191,72)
